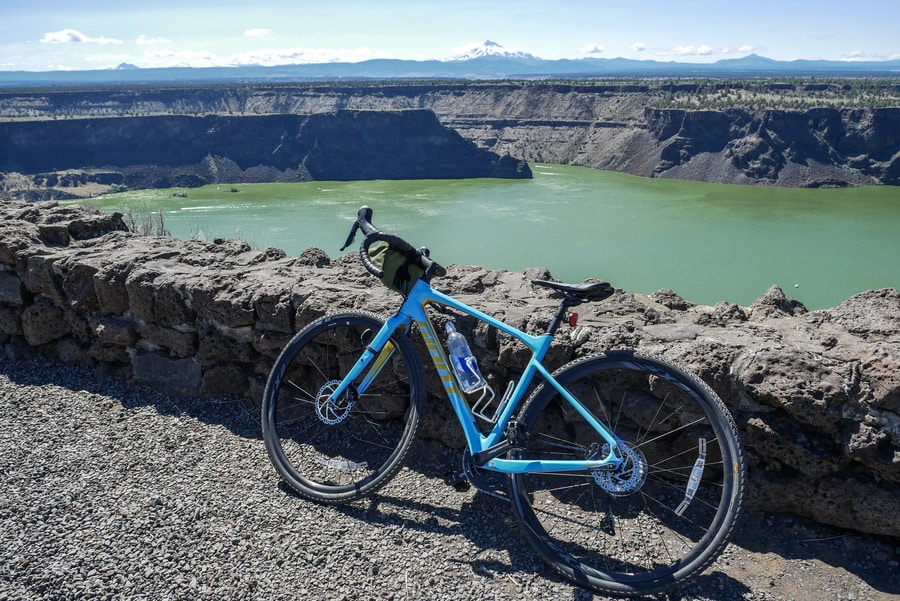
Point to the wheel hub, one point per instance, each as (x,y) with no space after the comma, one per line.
(629,477)
(330,411)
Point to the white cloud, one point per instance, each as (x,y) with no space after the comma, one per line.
(185,58)
(593,48)
(638,47)
(65,36)
(264,57)
(747,49)
(287,56)
(144,40)
(860,55)
(703,50)
(258,32)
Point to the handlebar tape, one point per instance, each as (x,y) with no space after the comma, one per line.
(373,234)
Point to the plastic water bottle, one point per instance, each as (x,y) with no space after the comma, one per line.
(463,363)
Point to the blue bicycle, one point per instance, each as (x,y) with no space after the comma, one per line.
(626,471)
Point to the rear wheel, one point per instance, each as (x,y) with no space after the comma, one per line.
(667,511)
(336,451)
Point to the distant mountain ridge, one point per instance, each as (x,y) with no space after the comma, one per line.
(487,61)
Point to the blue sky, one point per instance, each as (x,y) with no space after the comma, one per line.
(40,35)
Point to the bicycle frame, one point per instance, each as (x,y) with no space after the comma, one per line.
(413,310)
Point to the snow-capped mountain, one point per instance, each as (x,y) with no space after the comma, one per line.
(486,61)
(491,49)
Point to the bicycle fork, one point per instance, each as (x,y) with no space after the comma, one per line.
(373,359)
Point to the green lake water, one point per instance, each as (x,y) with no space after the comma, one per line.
(708,242)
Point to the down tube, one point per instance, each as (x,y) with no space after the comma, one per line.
(421,296)
(461,408)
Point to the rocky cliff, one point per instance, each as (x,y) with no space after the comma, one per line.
(816,394)
(180,150)
(817,147)
(606,126)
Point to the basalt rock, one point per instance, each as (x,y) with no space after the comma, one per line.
(821,147)
(816,394)
(165,151)
(605,126)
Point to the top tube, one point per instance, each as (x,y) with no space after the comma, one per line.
(422,294)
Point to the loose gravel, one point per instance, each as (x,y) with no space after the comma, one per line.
(111,492)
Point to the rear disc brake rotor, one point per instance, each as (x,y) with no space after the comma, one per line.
(629,477)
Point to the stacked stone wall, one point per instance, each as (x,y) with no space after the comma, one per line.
(816,394)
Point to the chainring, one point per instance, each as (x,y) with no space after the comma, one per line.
(487,481)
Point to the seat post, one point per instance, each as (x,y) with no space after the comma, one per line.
(567,302)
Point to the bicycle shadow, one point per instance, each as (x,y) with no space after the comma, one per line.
(489,523)
(476,518)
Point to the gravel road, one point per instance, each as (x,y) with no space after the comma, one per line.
(111,492)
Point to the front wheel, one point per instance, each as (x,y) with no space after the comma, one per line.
(338,450)
(667,511)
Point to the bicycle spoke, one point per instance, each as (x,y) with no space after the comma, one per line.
(336,450)
(633,528)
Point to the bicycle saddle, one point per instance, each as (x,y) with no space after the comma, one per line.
(584,292)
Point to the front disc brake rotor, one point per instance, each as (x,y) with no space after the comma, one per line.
(330,411)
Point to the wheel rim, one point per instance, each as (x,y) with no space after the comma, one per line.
(623,532)
(333,450)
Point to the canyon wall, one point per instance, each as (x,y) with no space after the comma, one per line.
(163,151)
(816,394)
(600,126)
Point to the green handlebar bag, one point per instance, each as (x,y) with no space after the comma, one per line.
(400,273)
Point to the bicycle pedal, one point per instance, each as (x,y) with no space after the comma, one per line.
(458,481)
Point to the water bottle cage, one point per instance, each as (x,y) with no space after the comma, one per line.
(466,369)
